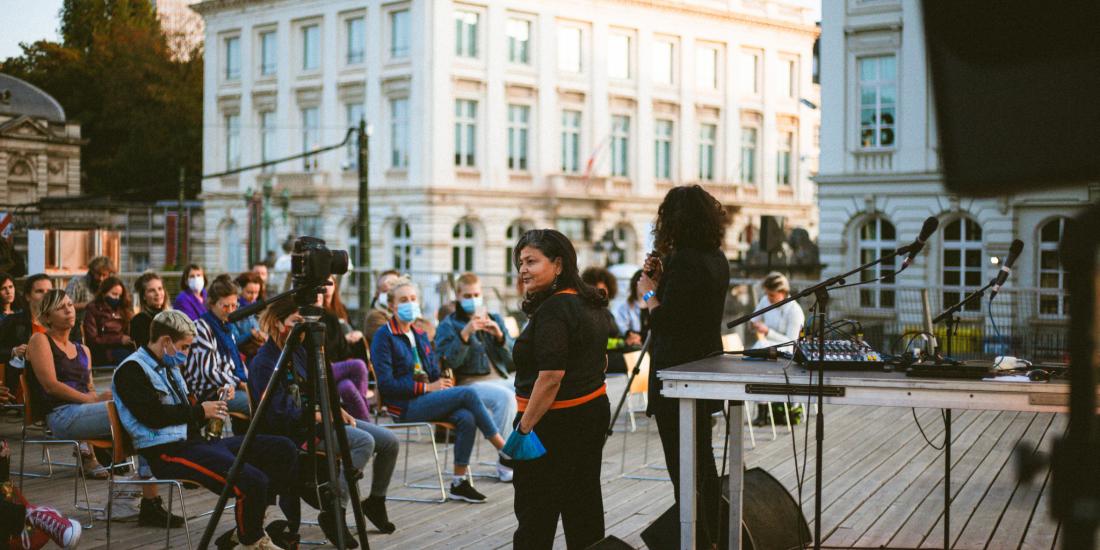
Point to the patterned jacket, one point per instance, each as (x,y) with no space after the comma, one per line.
(208,366)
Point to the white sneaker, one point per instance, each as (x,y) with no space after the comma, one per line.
(504,473)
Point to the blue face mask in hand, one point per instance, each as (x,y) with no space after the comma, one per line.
(408,312)
(470,305)
(523,446)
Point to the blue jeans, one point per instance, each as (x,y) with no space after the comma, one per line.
(80,421)
(460,406)
(500,398)
(366,440)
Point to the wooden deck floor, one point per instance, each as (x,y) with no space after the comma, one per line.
(883,486)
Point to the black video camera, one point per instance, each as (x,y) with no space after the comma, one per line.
(312,262)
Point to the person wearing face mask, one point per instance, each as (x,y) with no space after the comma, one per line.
(107,323)
(246,332)
(379,313)
(156,410)
(284,416)
(61,378)
(413,390)
(152,299)
(82,290)
(192,297)
(215,362)
(477,348)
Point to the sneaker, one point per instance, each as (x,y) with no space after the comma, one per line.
(465,491)
(504,473)
(375,510)
(153,514)
(328,527)
(279,531)
(64,532)
(265,543)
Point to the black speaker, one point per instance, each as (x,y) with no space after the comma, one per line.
(611,543)
(771,233)
(1015,93)
(770,518)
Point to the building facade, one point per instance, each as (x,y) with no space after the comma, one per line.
(39,147)
(490,118)
(881,177)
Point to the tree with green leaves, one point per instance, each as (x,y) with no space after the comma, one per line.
(139,107)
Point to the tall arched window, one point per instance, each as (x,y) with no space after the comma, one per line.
(1052,278)
(230,246)
(515,230)
(962,262)
(402,246)
(463,245)
(877,238)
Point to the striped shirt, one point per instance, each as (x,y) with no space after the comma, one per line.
(208,368)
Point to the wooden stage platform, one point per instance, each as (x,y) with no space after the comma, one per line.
(883,486)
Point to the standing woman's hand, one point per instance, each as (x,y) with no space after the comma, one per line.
(653,268)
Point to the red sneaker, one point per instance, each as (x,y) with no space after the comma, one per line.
(63,531)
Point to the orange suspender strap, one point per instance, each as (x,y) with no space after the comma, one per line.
(521,402)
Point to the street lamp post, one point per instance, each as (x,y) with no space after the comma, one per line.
(363,142)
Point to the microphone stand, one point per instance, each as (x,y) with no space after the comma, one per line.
(821,292)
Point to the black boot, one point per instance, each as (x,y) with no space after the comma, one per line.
(328,527)
(762,413)
(375,510)
(281,536)
(153,514)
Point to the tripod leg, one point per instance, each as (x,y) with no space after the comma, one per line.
(238,463)
(336,438)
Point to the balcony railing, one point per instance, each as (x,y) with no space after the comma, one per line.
(874,162)
(591,187)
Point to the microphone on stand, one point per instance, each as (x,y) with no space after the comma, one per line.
(1006,268)
(926,231)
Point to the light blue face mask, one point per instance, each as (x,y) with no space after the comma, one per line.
(470,305)
(408,312)
(174,359)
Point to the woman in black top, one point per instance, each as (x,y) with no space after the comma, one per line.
(152,299)
(684,288)
(560,361)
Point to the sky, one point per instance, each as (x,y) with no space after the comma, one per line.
(26,21)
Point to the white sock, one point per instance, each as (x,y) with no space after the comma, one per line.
(457,480)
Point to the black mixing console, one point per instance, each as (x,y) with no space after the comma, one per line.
(839,355)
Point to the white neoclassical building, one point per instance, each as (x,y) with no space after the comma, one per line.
(490,117)
(880,178)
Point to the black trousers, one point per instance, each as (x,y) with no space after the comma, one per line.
(707,486)
(565,482)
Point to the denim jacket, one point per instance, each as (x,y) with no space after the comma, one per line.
(393,358)
(142,435)
(480,355)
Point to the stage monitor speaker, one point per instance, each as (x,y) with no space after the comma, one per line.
(770,518)
(771,234)
(611,543)
(1015,93)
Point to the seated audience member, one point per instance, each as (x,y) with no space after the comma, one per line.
(781,325)
(154,408)
(82,289)
(62,379)
(631,316)
(215,362)
(16,330)
(412,389)
(107,323)
(379,313)
(9,300)
(20,522)
(284,417)
(246,332)
(192,297)
(260,268)
(344,349)
(605,282)
(152,299)
(477,348)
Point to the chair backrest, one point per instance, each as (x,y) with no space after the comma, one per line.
(31,412)
(641,382)
(732,341)
(121,444)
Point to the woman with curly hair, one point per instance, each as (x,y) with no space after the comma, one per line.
(684,286)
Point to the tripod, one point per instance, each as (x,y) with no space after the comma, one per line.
(321,393)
